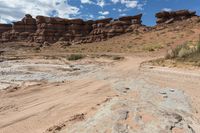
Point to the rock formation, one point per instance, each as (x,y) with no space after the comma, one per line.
(75,31)
(169,17)
(4,28)
(52,29)
(99,32)
(49,29)
(21,30)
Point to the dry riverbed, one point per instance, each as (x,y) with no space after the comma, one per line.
(97,95)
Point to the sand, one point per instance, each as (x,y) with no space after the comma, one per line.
(97,95)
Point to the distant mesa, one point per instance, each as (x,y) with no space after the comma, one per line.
(52,29)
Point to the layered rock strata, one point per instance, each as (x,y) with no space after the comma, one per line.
(170,17)
(75,31)
(52,29)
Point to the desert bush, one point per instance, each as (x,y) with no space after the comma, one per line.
(118,58)
(182,51)
(75,57)
(178,49)
(152,47)
(170,54)
(37,49)
(198,46)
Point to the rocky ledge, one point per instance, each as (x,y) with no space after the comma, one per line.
(169,17)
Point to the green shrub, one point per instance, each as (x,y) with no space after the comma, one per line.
(75,57)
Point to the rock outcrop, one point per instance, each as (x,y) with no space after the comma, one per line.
(52,29)
(4,28)
(44,29)
(99,32)
(172,16)
(47,30)
(21,30)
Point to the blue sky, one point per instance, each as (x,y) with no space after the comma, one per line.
(12,10)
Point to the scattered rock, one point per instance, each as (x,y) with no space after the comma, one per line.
(163,92)
(127,88)
(78,117)
(12,89)
(55,128)
(172,90)
(123,114)
(165,96)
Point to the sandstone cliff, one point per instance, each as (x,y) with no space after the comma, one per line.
(52,29)
(169,17)
(75,31)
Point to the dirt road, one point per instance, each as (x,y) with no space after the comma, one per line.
(98,96)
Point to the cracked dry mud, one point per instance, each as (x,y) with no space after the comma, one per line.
(101,96)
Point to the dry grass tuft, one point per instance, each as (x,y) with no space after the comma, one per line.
(75,57)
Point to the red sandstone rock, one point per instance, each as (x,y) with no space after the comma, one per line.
(169,17)
(52,29)
(4,28)
(105,21)
(132,19)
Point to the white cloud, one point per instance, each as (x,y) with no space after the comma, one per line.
(104,12)
(91,16)
(167,9)
(120,10)
(124,14)
(128,3)
(115,1)
(140,6)
(101,17)
(86,2)
(101,3)
(12,10)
